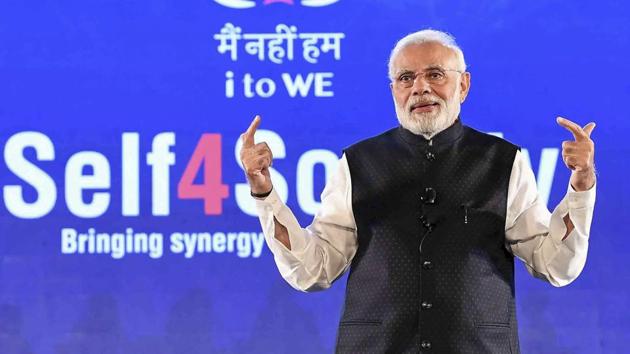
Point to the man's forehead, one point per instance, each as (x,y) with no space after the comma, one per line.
(424,55)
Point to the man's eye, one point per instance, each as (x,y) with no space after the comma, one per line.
(405,78)
(435,75)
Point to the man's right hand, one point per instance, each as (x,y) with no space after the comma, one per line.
(256,159)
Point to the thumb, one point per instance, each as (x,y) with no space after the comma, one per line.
(588,129)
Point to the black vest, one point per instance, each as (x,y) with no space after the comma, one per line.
(431,273)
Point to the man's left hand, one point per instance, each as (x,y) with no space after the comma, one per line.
(579,155)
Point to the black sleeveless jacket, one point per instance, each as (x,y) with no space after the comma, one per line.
(431,273)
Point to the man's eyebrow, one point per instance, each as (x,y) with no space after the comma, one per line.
(403,71)
(429,67)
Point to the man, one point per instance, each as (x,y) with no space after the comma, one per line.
(429,217)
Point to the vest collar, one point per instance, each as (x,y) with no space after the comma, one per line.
(445,137)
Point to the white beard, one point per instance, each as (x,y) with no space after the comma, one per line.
(428,124)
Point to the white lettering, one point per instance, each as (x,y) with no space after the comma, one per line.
(258,241)
(177,243)
(321,83)
(117,244)
(77,182)
(31,174)
(68,241)
(218,242)
(298,84)
(130,174)
(305,169)
(160,159)
(265,87)
(229,84)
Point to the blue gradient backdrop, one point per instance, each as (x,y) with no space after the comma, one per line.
(84,72)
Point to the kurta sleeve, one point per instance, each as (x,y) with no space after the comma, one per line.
(537,237)
(322,251)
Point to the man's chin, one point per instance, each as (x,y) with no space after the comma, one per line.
(422,119)
(423,116)
(429,119)
(425,125)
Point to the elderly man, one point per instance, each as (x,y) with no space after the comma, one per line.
(429,216)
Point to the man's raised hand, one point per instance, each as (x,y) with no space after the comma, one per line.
(579,155)
(256,159)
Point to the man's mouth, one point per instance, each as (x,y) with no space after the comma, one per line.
(423,106)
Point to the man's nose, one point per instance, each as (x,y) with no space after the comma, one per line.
(421,86)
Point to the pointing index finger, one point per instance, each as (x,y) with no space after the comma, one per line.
(248,137)
(575,129)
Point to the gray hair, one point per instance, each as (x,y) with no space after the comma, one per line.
(427,35)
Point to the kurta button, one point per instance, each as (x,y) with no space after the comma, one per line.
(425,344)
(427,265)
(426,305)
(430,156)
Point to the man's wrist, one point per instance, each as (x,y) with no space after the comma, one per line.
(261,195)
(582,181)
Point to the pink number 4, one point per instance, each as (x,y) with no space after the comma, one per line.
(212,191)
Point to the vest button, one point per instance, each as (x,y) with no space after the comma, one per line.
(427,265)
(426,305)
(430,156)
(425,344)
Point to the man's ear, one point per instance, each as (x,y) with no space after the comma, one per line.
(464,86)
